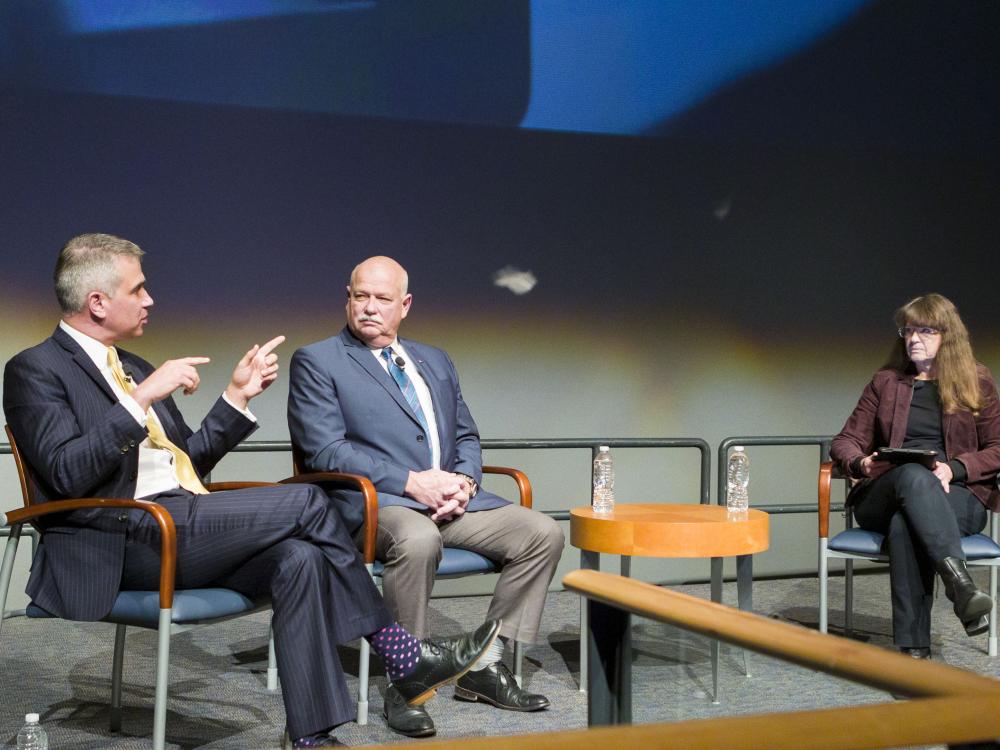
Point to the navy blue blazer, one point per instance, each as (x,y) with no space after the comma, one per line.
(81,442)
(346,413)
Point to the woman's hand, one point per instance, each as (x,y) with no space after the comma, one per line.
(944,473)
(866,465)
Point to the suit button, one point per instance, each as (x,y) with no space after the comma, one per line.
(123,517)
(420,438)
(131,444)
(124,449)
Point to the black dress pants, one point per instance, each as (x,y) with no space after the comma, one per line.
(922,524)
(289,543)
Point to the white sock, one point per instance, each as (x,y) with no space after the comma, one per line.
(492,655)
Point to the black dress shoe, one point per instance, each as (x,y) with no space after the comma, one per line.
(496,685)
(917,652)
(971,605)
(413,721)
(320,740)
(442,661)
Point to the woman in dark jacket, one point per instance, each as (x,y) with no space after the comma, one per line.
(931,394)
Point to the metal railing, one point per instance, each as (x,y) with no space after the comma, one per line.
(592,444)
(722,489)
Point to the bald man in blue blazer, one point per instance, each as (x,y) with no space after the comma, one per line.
(367,402)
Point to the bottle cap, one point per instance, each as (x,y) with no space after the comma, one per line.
(737,447)
(603,448)
(31,718)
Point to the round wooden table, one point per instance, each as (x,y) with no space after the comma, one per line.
(663,530)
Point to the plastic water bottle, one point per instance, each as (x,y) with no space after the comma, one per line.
(604,481)
(738,483)
(32,736)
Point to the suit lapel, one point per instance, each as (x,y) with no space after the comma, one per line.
(364,357)
(82,361)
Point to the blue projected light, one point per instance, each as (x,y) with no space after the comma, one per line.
(108,15)
(622,67)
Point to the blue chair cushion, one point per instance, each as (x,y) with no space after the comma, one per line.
(456,563)
(979,547)
(858,542)
(869,544)
(142,608)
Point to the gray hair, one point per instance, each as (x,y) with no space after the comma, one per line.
(88,263)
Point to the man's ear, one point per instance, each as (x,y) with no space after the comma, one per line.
(97,304)
(406,304)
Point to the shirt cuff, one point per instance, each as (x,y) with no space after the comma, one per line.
(245,412)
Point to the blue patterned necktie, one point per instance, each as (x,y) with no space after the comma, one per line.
(406,386)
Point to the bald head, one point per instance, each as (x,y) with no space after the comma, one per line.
(377,300)
(385,267)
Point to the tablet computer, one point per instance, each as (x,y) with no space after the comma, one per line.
(907,456)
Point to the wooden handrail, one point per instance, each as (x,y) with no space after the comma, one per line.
(519,477)
(931,721)
(858,662)
(168,533)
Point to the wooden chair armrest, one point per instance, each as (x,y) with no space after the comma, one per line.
(358,482)
(168,533)
(825,477)
(519,477)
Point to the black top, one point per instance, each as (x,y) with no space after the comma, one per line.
(923,425)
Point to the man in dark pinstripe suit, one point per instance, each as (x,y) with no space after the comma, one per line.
(88,417)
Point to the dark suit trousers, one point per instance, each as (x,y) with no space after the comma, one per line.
(287,543)
(923,524)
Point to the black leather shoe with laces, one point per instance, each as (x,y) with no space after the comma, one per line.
(444,660)
(497,686)
(413,721)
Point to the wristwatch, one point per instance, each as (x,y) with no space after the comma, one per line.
(473,484)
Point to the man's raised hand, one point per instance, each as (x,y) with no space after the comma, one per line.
(255,372)
(167,378)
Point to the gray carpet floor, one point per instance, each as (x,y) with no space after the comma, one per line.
(218,698)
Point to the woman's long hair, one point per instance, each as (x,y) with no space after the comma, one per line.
(958,383)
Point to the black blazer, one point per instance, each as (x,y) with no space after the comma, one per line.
(81,442)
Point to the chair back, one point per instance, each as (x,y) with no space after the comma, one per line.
(24,473)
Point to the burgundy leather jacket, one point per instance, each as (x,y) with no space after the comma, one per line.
(879,420)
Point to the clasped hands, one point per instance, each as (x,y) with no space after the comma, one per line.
(445,493)
(871,467)
(253,374)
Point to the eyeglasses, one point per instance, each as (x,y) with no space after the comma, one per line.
(924,332)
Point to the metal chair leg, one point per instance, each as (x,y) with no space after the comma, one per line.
(363,663)
(848,597)
(7,567)
(824,583)
(272,662)
(162,674)
(117,661)
(519,663)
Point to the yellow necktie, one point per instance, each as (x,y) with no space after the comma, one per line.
(186,474)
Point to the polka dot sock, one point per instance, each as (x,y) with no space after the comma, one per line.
(398,649)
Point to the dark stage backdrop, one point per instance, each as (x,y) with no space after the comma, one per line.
(721,202)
